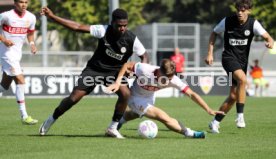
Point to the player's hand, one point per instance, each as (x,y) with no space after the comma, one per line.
(212,112)
(46,11)
(8,43)
(269,45)
(113,87)
(33,49)
(209,60)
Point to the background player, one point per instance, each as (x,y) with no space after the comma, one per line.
(16,25)
(239,31)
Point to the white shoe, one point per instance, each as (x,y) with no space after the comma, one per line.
(214,127)
(240,122)
(194,134)
(44,128)
(113,133)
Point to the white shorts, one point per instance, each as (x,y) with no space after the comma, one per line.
(140,105)
(11,68)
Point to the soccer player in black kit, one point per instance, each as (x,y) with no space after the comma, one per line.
(116,44)
(239,31)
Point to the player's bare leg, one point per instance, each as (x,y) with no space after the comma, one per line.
(225,107)
(67,103)
(120,107)
(171,123)
(240,77)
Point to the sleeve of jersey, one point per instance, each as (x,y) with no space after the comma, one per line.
(220,27)
(2,18)
(180,85)
(137,69)
(32,26)
(98,31)
(138,47)
(258,28)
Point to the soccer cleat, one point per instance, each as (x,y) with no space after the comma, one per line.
(113,133)
(194,134)
(214,127)
(199,134)
(240,122)
(29,121)
(44,128)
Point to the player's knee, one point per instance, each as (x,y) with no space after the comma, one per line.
(73,100)
(242,81)
(124,95)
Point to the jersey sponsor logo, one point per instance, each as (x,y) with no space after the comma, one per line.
(113,54)
(238,42)
(247,32)
(15,30)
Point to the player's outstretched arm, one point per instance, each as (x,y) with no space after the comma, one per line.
(127,67)
(197,99)
(65,22)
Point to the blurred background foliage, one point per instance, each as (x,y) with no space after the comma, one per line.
(147,11)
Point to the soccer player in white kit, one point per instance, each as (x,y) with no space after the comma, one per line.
(16,25)
(149,80)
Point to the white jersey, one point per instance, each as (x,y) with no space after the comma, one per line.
(146,83)
(15,28)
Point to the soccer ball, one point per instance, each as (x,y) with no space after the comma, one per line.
(148,129)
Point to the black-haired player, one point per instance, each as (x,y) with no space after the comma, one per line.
(115,46)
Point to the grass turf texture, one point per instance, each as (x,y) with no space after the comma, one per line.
(79,133)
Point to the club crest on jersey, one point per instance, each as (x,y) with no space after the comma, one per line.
(206,83)
(123,50)
(247,32)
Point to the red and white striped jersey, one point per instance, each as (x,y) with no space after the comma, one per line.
(15,28)
(146,82)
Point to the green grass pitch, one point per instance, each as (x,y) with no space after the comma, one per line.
(79,133)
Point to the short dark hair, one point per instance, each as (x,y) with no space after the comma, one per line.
(247,4)
(118,14)
(167,67)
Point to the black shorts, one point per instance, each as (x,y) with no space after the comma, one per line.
(230,66)
(90,78)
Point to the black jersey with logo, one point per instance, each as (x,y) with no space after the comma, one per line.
(112,52)
(237,39)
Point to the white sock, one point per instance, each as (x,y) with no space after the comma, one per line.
(20,97)
(188,132)
(240,115)
(215,122)
(113,125)
(2,89)
(51,118)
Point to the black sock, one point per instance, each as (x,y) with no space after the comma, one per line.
(239,107)
(64,105)
(117,116)
(219,117)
